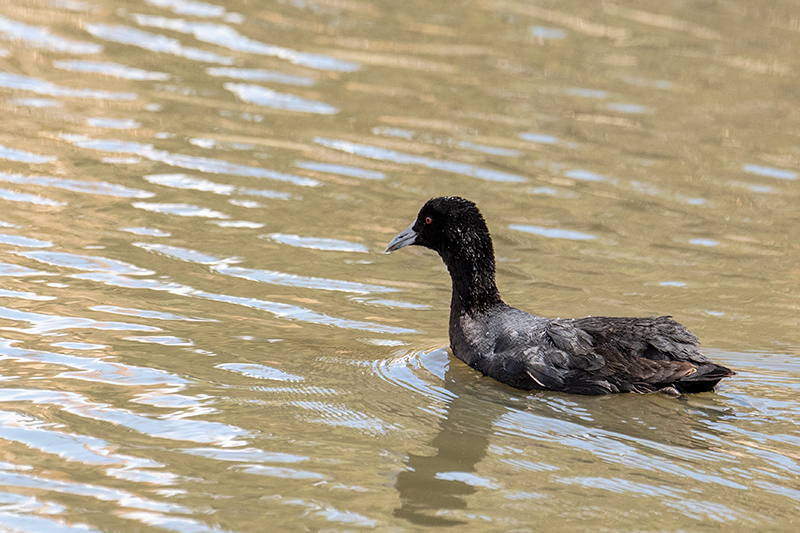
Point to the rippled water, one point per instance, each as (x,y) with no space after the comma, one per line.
(199,330)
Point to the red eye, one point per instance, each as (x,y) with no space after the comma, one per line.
(428,220)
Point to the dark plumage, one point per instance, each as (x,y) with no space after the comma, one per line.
(592,355)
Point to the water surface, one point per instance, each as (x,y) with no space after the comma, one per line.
(199,330)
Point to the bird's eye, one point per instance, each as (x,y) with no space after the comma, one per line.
(428,220)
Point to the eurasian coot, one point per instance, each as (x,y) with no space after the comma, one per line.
(592,355)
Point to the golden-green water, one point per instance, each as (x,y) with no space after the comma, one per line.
(199,330)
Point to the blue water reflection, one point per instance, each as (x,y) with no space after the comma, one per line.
(374,152)
(41,38)
(109,68)
(227,37)
(205,164)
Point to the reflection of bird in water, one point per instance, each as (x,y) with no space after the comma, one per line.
(592,355)
(545,429)
(433,486)
(424,490)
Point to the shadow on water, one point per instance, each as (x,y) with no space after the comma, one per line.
(650,431)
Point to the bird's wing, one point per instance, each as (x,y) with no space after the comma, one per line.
(563,351)
(596,355)
(653,338)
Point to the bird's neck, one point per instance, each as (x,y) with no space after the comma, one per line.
(472,273)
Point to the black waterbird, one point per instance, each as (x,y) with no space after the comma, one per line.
(591,355)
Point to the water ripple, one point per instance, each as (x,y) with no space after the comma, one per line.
(184,181)
(182,254)
(43,323)
(19,502)
(37,37)
(293,280)
(40,86)
(280,472)
(329,513)
(37,434)
(293,312)
(492,150)
(539,138)
(238,224)
(468,478)
(85,262)
(584,175)
(256,94)
(147,232)
(622,486)
(120,497)
(154,42)
(394,132)
(113,123)
(616,448)
(280,310)
(227,37)
(420,372)
(266,276)
(26,522)
(628,108)
(12,196)
(5,293)
(393,304)
(35,102)
(770,172)
(553,233)
(27,242)
(163,340)
(257,74)
(172,523)
(249,455)
(148,314)
(181,210)
(317,243)
(374,152)
(12,154)
(701,510)
(190,7)
(109,68)
(259,371)
(78,345)
(88,187)
(586,93)
(766,189)
(704,242)
(178,429)
(343,170)
(8,269)
(542,32)
(205,164)
(643,82)
(338,415)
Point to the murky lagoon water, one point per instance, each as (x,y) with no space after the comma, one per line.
(199,330)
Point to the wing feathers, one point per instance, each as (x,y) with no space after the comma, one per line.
(599,355)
